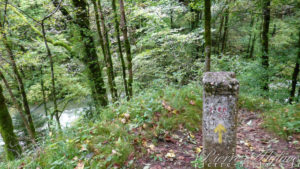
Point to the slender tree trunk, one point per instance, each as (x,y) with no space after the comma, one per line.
(295,74)
(19,79)
(225,32)
(207,34)
(196,18)
(220,34)
(11,147)
(127,47)
(19,108)
(44,97)
(109,63)
(49,54)
(90,59)
(101,41)
(171,19)
(252,46)
(265,43)
(117,32)
(274,30)
(250,34)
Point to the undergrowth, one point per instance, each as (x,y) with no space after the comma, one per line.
(115,137)
(112,138)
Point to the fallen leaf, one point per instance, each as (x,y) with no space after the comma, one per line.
(170,154)
(114,152)
(199,149)
(75,158)
(152,147)
(80,166)
(192,136)
(123,121)
(192,102)
(264,160)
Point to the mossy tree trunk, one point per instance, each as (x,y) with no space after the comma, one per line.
(127,47)
(109,63)
(19,108)
(18,77)
(207,34)
(117,34)
(101,41)
(11,147)
(90,59)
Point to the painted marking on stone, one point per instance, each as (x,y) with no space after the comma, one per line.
(220,129)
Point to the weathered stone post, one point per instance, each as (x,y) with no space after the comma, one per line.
(219,123)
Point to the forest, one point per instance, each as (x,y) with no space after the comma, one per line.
(88,84)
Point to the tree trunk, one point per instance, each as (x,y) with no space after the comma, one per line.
(11,147)
(171,19)
(109,63)
(101,41)
(265,43)
(207,34)
(252,46)
(117,32)
(55,113)
(225,32)
(19,108)
(44,97)
(196,18)
(295,74)
(220,34)
(127,46)
(19,79)
(90,59)
(250,34)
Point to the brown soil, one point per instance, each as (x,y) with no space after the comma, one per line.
(256,148)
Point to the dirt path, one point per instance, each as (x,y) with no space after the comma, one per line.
(256,148)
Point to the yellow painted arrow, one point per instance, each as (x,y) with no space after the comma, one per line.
(219,129)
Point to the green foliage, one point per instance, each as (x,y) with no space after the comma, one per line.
(107,140)
(281,119)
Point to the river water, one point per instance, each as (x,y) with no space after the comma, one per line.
(69,115)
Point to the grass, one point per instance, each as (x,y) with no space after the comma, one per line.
(111,138)
(282,119)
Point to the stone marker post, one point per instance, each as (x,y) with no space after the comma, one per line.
(219,119)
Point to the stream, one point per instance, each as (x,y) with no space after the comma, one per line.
(71,113)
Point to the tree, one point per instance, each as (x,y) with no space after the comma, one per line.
(265,43)
(11,147)
(225,32)
(18,77)
(207,34)
(295,74)
(127,47)
(117,34)
(108,59)
(19,108)
(90,59)
(49,54)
